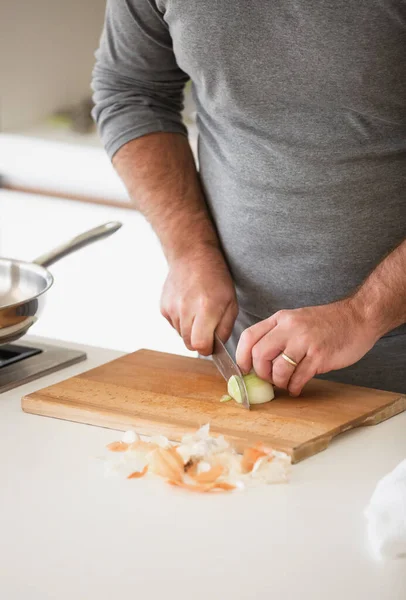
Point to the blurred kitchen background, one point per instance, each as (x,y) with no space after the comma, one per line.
(56,181)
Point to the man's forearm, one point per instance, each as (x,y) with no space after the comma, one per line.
(382,297)
(160,175)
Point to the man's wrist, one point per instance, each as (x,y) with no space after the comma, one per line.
(370,314)
(381,299)
(194,250)
(188,236)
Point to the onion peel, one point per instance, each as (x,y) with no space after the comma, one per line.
(191,468)
(117,447)
(203,488)
(201,463)
(261,446)
(167,463)
(208,476)
(138,474)
(250,457)
(141,446)
(223,485)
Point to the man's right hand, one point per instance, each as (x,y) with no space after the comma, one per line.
(160,174)
(199,298)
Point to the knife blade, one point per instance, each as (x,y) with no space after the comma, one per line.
(227,367)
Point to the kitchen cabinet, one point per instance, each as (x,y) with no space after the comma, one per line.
(48,73)
(60,163)
(57,164)
(105,295)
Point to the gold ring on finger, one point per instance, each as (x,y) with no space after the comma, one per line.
(288,359)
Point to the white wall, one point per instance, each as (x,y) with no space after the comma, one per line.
(46,56)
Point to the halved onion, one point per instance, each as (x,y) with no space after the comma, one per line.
(259,391)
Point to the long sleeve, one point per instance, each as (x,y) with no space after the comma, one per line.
(138,86)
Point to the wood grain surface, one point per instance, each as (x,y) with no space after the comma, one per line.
(159,393)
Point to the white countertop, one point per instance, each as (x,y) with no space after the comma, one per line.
(68,532)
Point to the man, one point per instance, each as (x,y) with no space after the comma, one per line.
(293,233)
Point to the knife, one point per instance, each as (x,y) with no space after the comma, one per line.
(228,368)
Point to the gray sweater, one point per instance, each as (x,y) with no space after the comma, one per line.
(301,109)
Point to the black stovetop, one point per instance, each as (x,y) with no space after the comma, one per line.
(22,363)
(12,353)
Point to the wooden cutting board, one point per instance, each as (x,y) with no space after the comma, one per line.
(157,393)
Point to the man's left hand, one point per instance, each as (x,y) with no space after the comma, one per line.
(318,338)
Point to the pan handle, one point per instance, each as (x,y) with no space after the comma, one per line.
(78,242)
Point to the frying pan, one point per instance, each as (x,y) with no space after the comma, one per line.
(23,285)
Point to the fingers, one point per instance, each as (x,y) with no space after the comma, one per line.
(260,347)
(202,332)
(186,326)
(282,371)
(182,323)
(166,315)
(208,320)
(249,338)
(225,327)
(266,350)
(196,325)
(172,320)
(305,370)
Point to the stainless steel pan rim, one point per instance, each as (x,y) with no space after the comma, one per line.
(33,268)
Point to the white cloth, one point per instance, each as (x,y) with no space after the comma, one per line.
(386,515)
